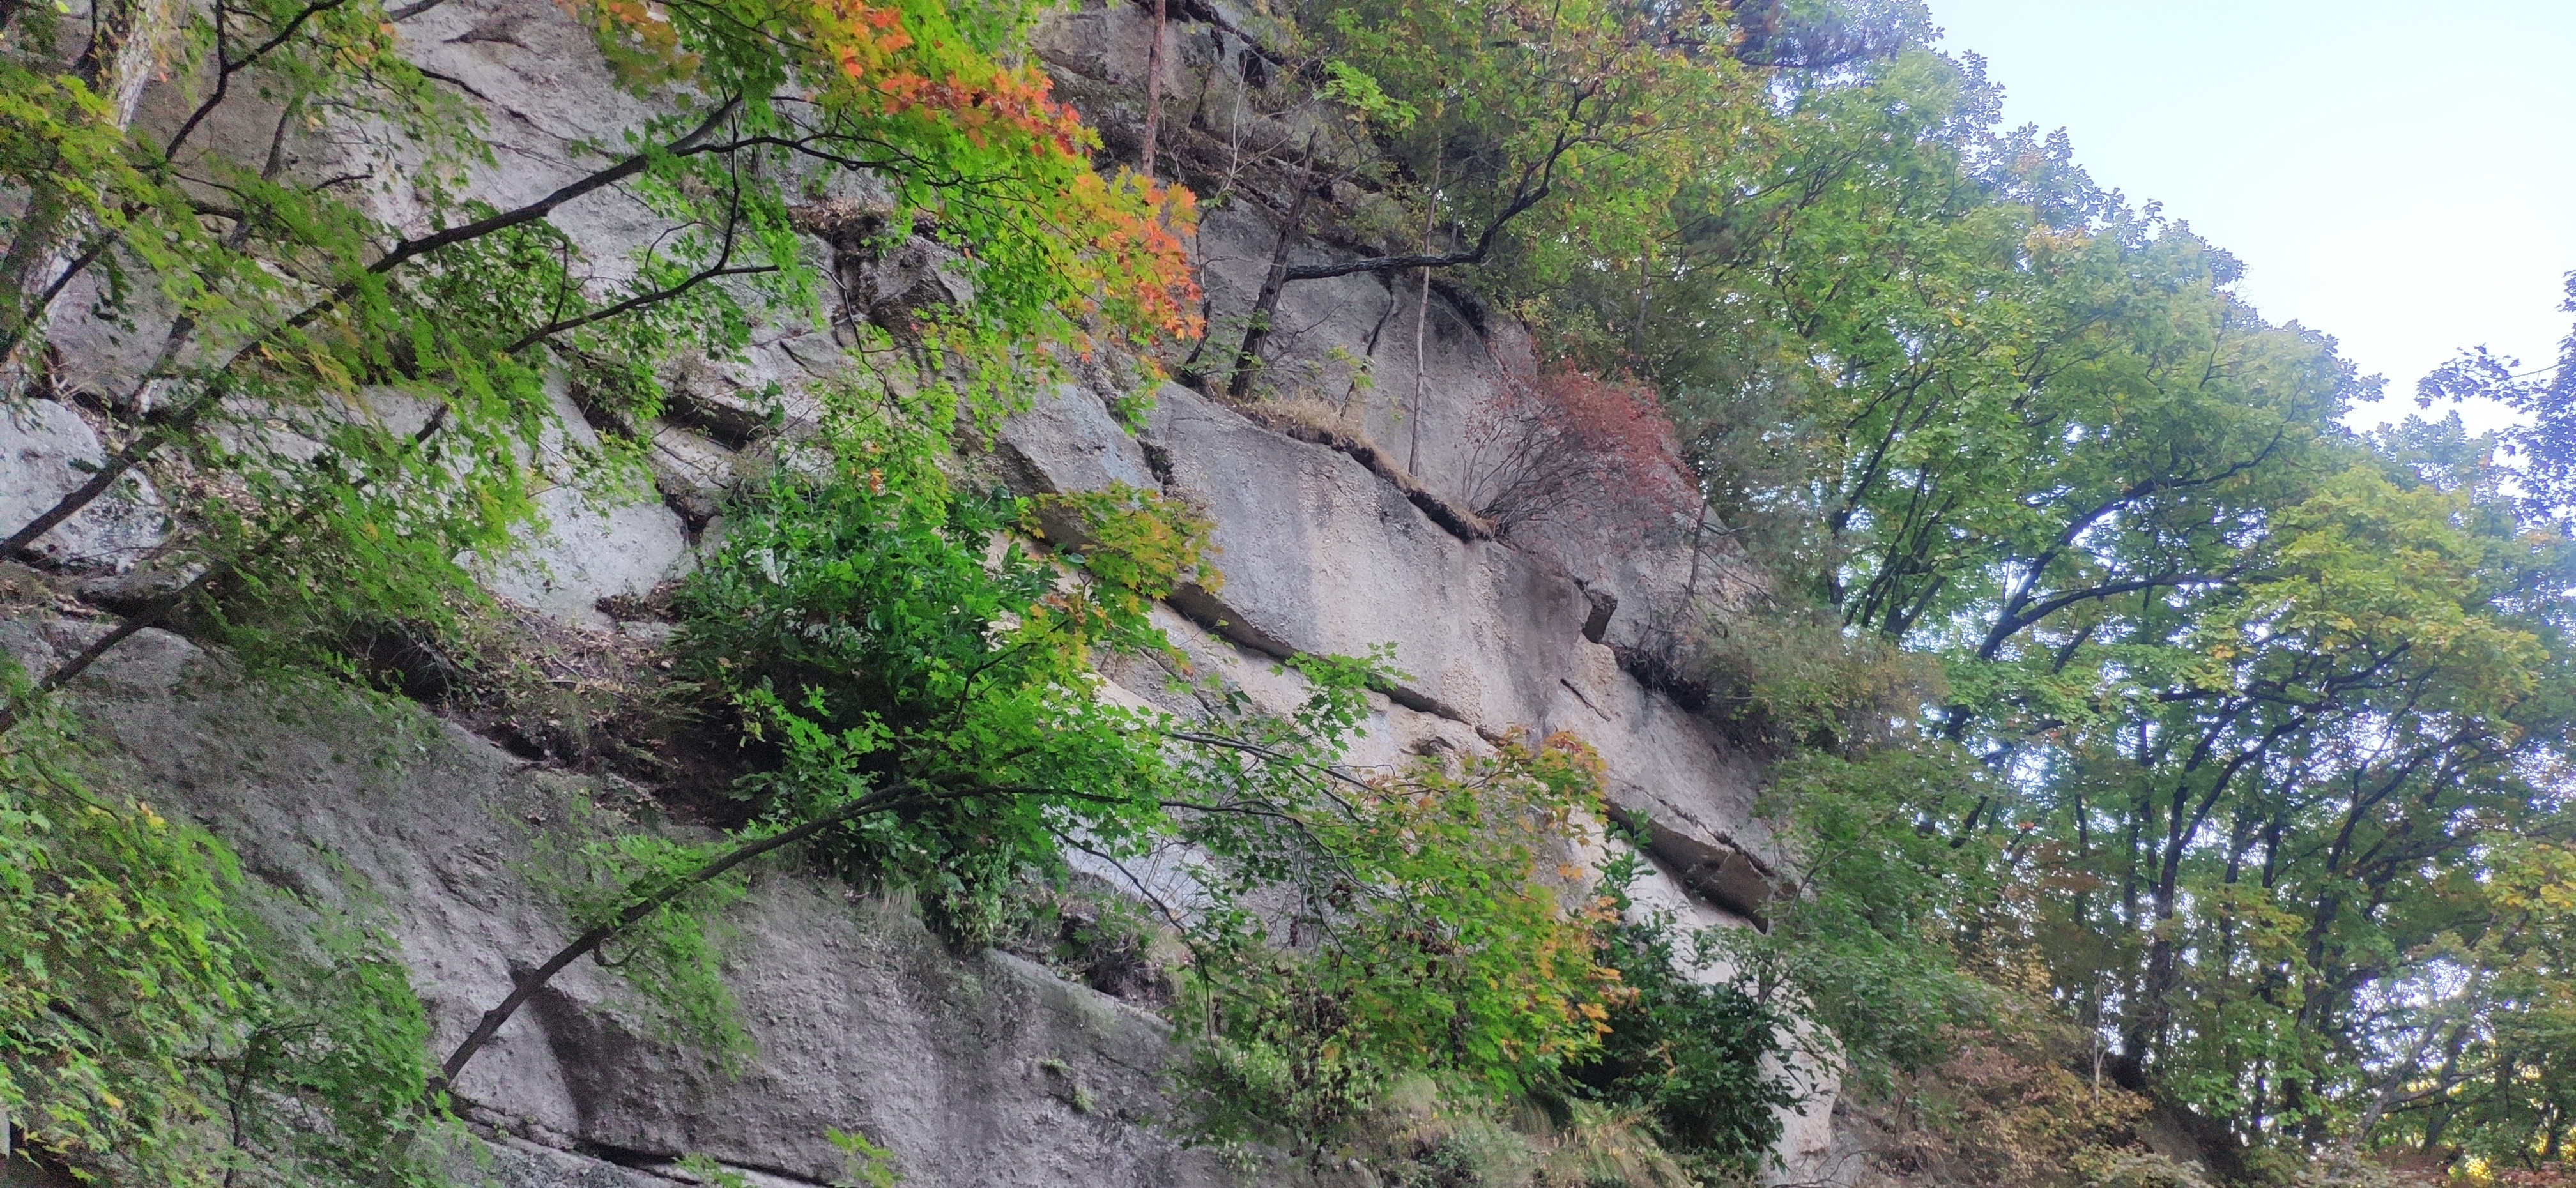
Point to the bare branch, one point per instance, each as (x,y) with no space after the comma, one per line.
(900,795)
(160,609)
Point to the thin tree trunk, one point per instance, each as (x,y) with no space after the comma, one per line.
(1153,87)
(1699,533)
(1637,331)
(119,61)
(1247,360)
(1421,318)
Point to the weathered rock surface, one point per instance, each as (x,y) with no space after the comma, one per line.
(863,1019)
(587,552)
(591,545)
(47,451)
(978,1070)
(1067,441)
(1321,555)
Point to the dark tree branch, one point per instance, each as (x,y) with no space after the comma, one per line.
(159,609)
(413,248)
(1266,306)
(160,435)
(631,304)
(1272,755)
(16,332)
(1519,205)
(902,795)
(226,68)
(1536,181)
(113,469)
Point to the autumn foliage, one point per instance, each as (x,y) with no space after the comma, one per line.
(922,96)
(1562,445)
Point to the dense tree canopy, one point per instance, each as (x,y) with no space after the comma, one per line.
(2250,727)
(2242,740)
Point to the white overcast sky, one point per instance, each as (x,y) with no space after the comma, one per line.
(2399,175)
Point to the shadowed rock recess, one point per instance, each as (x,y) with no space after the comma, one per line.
(980,1069)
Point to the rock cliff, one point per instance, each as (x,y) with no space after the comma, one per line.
(977,1069)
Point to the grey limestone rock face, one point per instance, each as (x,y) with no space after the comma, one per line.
(47,451)
(587,552)
(980,1069)
(977,1070)
(591,545)
(1321,555)
(1067,441)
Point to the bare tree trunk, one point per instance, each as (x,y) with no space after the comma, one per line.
(1247,360)
(1421,317)
(1699,533)
(1153,86)
(120,59)
(1637,331)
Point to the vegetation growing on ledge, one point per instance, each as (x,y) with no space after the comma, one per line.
(2118,690)
(2156,755)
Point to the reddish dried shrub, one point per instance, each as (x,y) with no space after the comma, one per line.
(1561,444)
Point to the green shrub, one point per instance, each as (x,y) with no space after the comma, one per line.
(1696,1057)
(163,1021)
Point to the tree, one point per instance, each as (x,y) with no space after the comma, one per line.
(2234,701)
(2546,394)
(407,366)
(1562,443)
(1555,131)
(164,1022)
(352,404)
